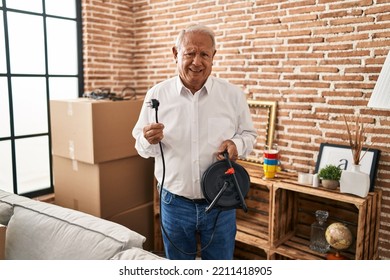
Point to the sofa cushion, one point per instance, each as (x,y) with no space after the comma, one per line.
(39,230)
(136,254)
(7,201)
(6,205)
(6,211)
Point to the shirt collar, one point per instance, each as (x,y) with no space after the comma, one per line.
(207,86)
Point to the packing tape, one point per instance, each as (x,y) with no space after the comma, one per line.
(75,165)
(71,149)
(70,109)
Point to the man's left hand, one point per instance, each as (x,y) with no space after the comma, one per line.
(230,147)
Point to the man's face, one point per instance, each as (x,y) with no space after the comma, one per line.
(195,59)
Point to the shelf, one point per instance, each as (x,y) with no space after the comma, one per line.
(291,208)
(293,212)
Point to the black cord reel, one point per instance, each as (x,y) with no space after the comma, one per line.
(225,184)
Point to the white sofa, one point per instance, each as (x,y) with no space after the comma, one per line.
(38,230)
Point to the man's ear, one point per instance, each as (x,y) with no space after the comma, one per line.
(174,51)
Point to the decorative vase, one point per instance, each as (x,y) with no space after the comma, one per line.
(330,184)
(355,181)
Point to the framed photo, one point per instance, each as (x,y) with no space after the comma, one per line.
(341,156)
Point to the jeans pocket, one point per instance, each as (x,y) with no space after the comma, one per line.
(166,197)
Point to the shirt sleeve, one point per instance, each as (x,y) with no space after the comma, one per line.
(245,136)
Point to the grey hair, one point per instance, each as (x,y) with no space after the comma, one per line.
(195,28)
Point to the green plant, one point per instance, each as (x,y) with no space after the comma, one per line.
(330,172)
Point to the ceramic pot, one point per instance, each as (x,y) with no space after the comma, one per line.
(330,184)
(355,181)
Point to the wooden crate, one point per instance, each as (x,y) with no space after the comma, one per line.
(245,251)
(293,212)
(253,227)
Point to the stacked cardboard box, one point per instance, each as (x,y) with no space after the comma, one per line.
(95,165)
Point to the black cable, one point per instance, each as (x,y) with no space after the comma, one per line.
(154,103)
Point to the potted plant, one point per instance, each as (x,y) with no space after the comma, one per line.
(330,176)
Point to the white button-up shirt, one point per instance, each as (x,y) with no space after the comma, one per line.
(195,125)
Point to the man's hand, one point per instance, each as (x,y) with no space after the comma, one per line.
(230,147)
(154,132)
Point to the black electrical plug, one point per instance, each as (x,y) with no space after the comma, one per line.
(154,103)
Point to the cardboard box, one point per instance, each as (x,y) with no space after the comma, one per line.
(103,189)
(139,219)
(93,131)
(2,242)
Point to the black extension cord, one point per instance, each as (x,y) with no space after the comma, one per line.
(154,104)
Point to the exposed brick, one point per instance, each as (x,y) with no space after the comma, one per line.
(343,78)
(333,47)
(352,20)
(301,77)
(307,10)
(320,69)
(306,40)
(377,10)
(350,4)
(294,33)
(305,55)
(348,38)
(313,84)
(359,54)
(341,61)
(302,3)
(372,27)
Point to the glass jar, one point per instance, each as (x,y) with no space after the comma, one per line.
(318,241)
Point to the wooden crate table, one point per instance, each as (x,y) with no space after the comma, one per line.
(280,214)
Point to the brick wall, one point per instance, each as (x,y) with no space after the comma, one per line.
(319,59)
(108,39)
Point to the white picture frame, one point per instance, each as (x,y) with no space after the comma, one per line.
(341,155)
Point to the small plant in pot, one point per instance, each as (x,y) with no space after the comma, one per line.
(330,176)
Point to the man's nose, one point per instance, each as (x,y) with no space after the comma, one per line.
(197,59)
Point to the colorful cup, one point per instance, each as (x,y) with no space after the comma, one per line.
(271,163)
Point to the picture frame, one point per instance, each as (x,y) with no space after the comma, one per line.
(341,155)
(264,120)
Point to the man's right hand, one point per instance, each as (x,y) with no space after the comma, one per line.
(154,132)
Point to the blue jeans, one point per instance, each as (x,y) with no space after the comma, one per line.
(182,220)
